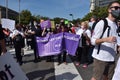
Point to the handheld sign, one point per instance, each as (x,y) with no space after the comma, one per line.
(8,23)
(45,24)
(9,69)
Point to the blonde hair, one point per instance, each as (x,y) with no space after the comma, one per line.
(85,23)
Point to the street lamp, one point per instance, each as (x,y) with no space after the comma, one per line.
(0,15)
(6,8)
(19,11)
(71,15)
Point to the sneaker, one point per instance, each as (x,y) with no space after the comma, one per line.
(84,66)
(77,64)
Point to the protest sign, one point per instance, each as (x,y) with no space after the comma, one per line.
(8,23)
(66,21)
(52,24)
(9,69)
(45,24)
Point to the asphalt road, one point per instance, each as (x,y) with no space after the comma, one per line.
(43,70)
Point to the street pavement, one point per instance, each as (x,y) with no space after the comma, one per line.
(44,70)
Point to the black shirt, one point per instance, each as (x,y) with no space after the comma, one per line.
(38,31)
(1,33)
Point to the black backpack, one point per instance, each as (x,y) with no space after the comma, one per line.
(104,29)
(18,38)
(83,40)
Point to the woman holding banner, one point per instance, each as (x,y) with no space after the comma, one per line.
(35,31)
(63,28)
(47,31)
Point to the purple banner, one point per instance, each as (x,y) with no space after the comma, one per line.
(55,43)
(45,24)
(71,42)
(49,45)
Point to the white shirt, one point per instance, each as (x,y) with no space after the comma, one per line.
(107,50)
(80,31)
(16,32)
(116,75)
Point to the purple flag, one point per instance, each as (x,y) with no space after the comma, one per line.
(49,45)
(45,24)
(71,42)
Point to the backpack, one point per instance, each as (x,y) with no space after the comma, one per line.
(18,38)
(93,26)
(83,40)
(104,29)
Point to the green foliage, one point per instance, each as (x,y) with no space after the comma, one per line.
(36,18)
(44,18)
(87,17)
(57,20)
(75,21)
(25,17)
(99,12)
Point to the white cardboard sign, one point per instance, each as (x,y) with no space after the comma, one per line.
(9,69)
(8,23)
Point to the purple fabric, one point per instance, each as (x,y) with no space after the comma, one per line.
(49,45)
(71,42)
(55,43)
(45,24)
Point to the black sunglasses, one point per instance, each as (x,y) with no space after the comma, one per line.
(115,7)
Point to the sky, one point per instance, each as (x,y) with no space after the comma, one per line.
(51,8)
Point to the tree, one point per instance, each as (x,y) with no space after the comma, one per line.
(57,20)
(99,12)
(75,21)
(36,18)
(25,17)
(44,18)
(87,17)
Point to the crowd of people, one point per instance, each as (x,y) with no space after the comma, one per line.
(97,45)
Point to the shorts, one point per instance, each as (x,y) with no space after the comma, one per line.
(101,68)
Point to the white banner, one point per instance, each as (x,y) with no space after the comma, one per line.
(8,23)
(9,69)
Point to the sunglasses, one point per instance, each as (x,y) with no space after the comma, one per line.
(115,7)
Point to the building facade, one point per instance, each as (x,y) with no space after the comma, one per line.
(11,13)
(99,3)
